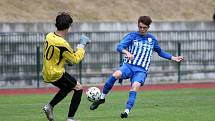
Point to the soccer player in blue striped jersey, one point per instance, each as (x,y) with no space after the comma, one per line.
(138,48)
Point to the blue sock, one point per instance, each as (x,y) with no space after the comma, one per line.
(109,84)
(131,100)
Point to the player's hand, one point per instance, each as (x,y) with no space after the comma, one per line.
(84,40)
(130,56)
(177,58)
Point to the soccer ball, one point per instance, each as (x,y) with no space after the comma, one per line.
(93,94)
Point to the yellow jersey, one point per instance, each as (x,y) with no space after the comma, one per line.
(57,52)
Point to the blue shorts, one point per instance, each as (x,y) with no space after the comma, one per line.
(135,73)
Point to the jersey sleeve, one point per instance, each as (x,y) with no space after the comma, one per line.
(73,57)
(125,42)
(161,52)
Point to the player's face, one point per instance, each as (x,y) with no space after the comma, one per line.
(143,28)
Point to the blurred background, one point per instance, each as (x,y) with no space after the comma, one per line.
(182,27)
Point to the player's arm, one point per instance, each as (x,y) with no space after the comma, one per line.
(73,57)
(165,54)
(121,47)
(161,52)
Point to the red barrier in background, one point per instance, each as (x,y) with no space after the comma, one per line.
(115,88)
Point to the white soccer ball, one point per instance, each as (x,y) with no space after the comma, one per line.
(93,94)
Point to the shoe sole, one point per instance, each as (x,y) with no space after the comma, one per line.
(93,108)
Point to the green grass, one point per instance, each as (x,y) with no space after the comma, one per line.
(169,105)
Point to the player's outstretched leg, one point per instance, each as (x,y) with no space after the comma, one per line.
(107,87)
(48,109)
(96,104)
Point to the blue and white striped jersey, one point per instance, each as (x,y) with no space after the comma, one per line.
(142,48)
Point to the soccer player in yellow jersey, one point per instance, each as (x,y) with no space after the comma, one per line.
(57,52)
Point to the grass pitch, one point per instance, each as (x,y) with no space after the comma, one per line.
(166,105)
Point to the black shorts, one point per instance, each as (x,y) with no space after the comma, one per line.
(66,82)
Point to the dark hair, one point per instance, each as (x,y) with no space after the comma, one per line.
(214,16)
(145,20)
(63,21)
